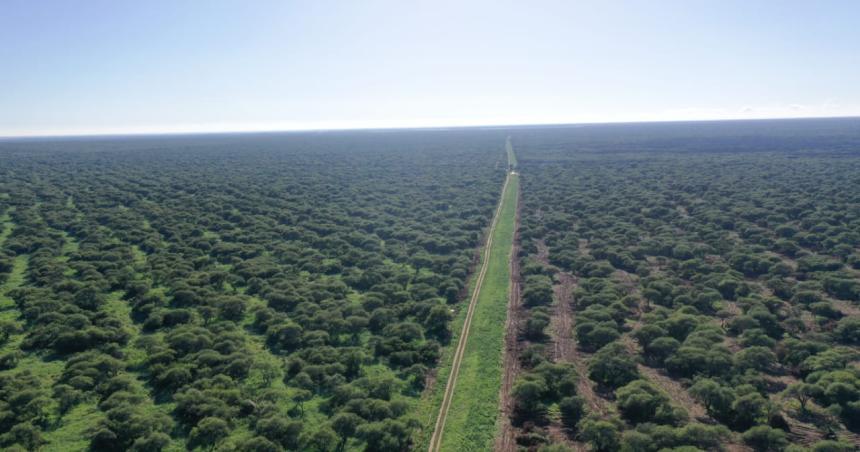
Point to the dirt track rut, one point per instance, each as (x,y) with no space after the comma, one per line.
(436,438)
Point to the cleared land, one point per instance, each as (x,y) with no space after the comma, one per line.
(512,157)
(506,435)
(472,386)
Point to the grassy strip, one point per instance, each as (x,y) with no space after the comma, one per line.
(5,227)
(74,432)
(512,158)
(8,310)
(428,407)
(471,422)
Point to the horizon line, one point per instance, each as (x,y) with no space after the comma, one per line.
(237,131)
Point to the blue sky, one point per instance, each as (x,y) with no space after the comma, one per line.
(82,67)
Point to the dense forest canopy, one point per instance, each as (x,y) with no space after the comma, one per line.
(685,286)
(712,275)
(259,292)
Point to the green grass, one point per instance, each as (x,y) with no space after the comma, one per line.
(6,226)
(75,431)
(512,157)
(120,308)
(14,280)
(70,245)
(139,256)
(46,370)
(428,406)
(8,310)
(314,414)
(471,421)
(72,430)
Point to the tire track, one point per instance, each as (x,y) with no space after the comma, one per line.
(506,439)
(436,438)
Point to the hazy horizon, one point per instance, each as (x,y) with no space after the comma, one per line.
(419,127)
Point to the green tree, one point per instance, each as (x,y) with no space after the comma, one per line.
(848,330)
(716,398)
(612,366)
(755,357)
(640,401)
(603,436)
(280,430)
(765,439)
(528,399)
(209,431)
(803,393)
(749,409)
(345,425)
(259,444)
(572,410)
(323,440)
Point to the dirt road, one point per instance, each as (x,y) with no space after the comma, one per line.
(436,439)
(506,439)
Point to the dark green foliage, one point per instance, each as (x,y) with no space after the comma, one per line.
(649,437)
(592,336)
(536,324)
(221,291)
(725,263)
(765,439)
(387,435)
(535,390)
(346,425)
(537,291)
(640,401)
(259,444)
(127,423)
(236,278)
(603,436)
(612,366)
(748,410)
(572,410)
(755,357)
(716,398)
(528,395)
(848,331)
(209,432)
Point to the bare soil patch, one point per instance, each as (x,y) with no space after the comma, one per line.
(506,439)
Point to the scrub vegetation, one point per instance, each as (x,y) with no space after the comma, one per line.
(260,292)
(672,287)
(712,273)
(470,423)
